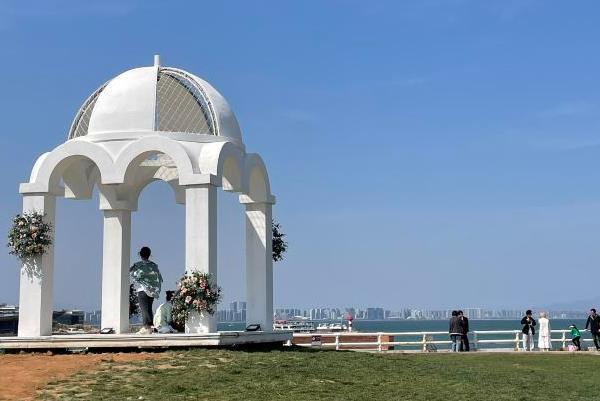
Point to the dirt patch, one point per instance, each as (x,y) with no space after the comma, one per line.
(23,374)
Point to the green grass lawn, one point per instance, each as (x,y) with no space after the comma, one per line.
(329,375)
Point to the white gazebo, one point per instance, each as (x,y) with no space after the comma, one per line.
(147,124)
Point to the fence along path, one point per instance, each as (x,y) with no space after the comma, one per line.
(387,341)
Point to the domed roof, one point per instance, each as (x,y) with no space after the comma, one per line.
(160,99)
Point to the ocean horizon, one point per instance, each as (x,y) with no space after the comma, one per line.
(410,325)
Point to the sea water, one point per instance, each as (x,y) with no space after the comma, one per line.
(396,326)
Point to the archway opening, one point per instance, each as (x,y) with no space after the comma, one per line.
(159,223)
(231,261)
(78,256)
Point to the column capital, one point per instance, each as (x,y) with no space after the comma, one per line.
(247,200)
(115,210)
(116,206)
(36,189)
(200,180)
(119,206)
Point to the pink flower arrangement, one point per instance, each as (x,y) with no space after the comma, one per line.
(195,292)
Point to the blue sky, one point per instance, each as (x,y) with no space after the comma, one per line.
(424,153)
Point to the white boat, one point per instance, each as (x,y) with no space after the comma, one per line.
(331,327)
(296,326)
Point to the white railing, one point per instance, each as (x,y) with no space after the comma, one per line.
(426,340)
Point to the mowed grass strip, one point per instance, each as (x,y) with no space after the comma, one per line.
(329,375)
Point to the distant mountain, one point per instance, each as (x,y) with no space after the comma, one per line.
(580,305)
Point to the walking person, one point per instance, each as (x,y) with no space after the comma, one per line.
(544,333)
(575,336)
(464,325)
(593,323)
(146,280)
(528,330)
(455,331)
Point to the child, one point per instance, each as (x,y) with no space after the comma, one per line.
(162,317)
(575,336)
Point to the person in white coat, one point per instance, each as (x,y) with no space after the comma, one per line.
(544,342)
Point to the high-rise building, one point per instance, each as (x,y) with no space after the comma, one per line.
(375,314)
(473,313)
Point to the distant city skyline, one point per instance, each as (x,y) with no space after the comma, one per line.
(422,153)
(236,312)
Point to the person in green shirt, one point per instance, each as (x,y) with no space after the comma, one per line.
(575,336)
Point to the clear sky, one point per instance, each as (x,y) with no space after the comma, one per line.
(427,153)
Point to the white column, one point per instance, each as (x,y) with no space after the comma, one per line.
(259,265)
(115,270)
(37,276)
(201,245)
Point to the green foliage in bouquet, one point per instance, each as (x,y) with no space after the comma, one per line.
(279,244)
(134,307)
(29,235)
(195,292)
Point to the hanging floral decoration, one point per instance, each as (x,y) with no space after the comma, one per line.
(280,245)
(29,235)
(195,292)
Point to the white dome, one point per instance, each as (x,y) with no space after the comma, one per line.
(156,99)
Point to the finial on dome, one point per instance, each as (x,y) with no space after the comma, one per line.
(157,60)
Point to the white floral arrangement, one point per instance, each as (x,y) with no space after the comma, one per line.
(29,235)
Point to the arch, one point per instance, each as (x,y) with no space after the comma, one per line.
(225,160)
(231,175)
(256,180)
(50,167)
(136,189)
(79,179)
(137,151)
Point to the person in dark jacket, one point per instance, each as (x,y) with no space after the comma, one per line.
(464,325)
(455,331)
(593,322)
(528,330)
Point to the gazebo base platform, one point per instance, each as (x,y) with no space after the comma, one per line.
(144,341)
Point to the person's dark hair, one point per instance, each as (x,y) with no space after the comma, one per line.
(593,310)
(460,313)
(170,295)
(145,252)
(454,313)
(528,312)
